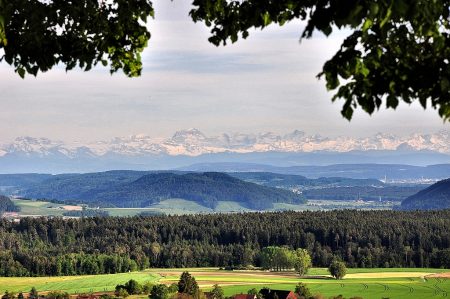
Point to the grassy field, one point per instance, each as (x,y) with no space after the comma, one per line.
(367,283)
(39,208)
(180,207)
(74,284)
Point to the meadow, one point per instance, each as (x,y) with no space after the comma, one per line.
(177,206)
(41,208)
(367,283)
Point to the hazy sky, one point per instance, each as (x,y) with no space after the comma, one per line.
(265,83)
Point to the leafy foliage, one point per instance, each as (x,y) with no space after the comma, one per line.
(217,292)
(302,290)
(38,35)
(57,295)
(187,284)
(302,261)
(159,291)
(282,258)
(337,269)
(33,294)
(398,50)
(9,295)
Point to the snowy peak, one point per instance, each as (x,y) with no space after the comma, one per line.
(193,142)
(33,146)
(190,136)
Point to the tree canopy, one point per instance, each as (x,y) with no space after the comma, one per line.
(37,35)
(337,269)
(396,51)
(187,284)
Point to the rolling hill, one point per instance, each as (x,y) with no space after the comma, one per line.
(287,181)
(141,189)
(6,205)
(435,197)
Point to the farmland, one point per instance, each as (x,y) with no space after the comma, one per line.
(367,283)
(177,206)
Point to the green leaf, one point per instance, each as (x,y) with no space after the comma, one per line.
(347,112)
(374,9)
(21,72)
(367,25)
(392,86)
(387,16)
(445,85)
(361,68)
(266,18)
(392,101)
(3,40)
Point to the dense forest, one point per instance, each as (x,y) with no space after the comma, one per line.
(109,245)
(437,196)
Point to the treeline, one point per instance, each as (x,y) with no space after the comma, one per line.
(6,205)
(359,238)
(391,193)
(283,258)
(87,213)
(12,264)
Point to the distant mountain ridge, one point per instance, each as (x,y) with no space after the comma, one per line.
(192,142)
(187,147)
(435,197)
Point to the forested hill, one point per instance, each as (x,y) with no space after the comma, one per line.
(437,196)
(279,180)
(147,188)
(6,205)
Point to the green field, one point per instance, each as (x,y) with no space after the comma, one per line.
(74,284)
(180,207)
(39,208)
(367,283)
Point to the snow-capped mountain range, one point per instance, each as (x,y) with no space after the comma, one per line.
(193,143)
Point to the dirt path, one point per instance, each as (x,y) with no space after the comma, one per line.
(439,275)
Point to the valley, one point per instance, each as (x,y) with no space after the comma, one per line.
(176,192)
